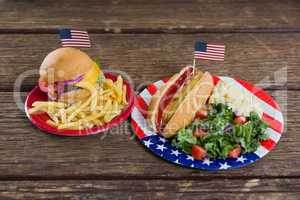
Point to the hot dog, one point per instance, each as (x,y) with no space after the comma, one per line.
(175,104)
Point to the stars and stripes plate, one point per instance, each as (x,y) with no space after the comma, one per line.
(164,149)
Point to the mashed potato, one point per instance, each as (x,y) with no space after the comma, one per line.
(230,95)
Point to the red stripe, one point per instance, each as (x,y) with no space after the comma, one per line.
(214,52)
(215,49)
(138,131)
(151,88)
(209,55)
(79,36)
(75,45)
(259,93)
(268,144)
(216,45)
(74,40)
(208,58)
(166,79)
(216,80)
(204,54)
(76,31)
(141,105)
(82,36)
(83,43)
(210,52)
(273,123)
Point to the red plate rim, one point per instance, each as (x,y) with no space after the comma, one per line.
(39,120)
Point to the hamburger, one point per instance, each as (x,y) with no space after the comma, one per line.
(176,103)
(69,75)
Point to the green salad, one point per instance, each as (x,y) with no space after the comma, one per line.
(220,134)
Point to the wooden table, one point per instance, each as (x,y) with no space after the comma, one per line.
(148,40)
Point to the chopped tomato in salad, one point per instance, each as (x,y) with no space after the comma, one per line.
(240,120)
(218,133)
(201,114)
(234,153)
(198,152)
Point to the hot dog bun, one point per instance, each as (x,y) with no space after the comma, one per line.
(155,102)
(186,111)
(169,112)
(164,96)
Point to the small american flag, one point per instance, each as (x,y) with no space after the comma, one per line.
(74,38)
(207,51)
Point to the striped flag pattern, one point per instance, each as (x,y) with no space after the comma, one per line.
(74,38)
(209,51)
(163,148)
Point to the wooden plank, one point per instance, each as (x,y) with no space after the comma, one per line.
(27,152)
(153,16)
(267,59)
(153,189)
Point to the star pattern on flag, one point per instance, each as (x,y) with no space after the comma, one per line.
(164,148)
(147,143)
(241,159)
(163,140)
(207,161)
(189,157)
(177,161)
(224,166)
(161,147)
(176,152)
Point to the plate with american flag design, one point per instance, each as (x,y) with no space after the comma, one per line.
(163,148)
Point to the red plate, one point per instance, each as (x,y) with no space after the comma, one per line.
(39,120)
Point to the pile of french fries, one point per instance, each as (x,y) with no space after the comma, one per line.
(105,102)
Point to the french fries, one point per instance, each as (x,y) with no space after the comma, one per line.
(105,102)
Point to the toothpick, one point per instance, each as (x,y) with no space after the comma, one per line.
(194,65)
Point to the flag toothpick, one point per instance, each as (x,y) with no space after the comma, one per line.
(209,51)
(74,38)
(194,65)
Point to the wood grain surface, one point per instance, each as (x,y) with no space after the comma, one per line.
(168,16)
(160,189)
(118,154)
(148,40)
(263,59)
